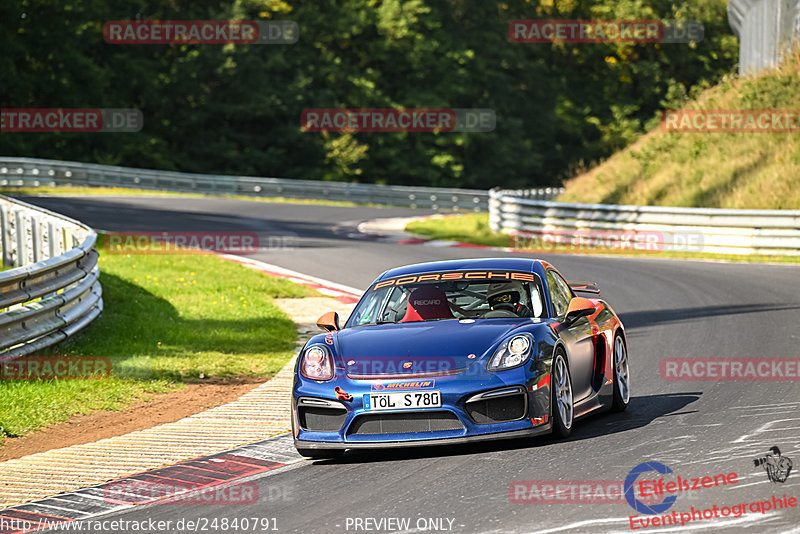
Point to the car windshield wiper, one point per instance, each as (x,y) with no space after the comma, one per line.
(377,323)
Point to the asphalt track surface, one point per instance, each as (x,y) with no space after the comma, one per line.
(671,308)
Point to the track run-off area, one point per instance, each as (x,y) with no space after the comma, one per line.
(670,308)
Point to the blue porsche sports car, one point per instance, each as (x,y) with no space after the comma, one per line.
(459,351)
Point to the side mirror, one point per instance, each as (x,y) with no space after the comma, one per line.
(330,321)
(579,307)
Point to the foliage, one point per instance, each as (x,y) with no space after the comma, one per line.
(235,109)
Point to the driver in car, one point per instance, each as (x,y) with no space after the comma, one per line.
(505,300)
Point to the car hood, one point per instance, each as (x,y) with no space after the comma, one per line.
(424,348)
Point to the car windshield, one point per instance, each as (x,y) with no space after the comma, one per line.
(479,299)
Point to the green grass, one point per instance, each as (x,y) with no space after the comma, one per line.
(168,320)
(713,170)
(470,228)
(123,191)
(474,228)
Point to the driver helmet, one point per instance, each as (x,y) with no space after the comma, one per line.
(505,295)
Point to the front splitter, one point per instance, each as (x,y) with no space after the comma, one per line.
(337,445)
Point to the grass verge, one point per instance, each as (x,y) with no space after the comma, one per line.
(474,228)
(710,170)
(123,191)
(469,228)
(168,320)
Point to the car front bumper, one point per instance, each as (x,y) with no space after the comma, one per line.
(456,418)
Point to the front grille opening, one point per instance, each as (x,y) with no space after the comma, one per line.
(320,419)
(497,409)
(399,423)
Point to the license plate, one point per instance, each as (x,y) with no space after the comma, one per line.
(398,400)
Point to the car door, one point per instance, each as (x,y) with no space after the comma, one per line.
(577,337)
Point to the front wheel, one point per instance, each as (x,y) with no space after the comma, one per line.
(317,454)
(622,390)
(561,405)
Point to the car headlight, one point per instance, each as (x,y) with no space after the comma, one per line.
(317,363)
(512,353)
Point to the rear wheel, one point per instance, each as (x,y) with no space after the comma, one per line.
(321,453)
(622,391)
(561,405)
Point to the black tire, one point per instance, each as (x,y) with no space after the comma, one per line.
(562,405)
(316,454)
(622,377)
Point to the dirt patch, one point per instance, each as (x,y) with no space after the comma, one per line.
(164,408)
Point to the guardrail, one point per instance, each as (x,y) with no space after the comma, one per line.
(29,172)
(766,30)
(655,228)
(51,290)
